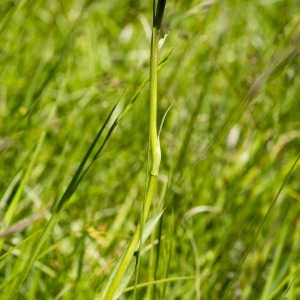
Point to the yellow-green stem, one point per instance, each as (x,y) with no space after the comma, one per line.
(134,242)
(156,158)
(153,90)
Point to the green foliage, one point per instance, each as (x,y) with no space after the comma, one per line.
(74,139)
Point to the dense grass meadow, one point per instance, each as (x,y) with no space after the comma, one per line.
(75,154)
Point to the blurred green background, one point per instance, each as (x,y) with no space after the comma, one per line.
(229,143)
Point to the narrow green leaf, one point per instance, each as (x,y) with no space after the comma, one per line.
(148,228)
(126,278)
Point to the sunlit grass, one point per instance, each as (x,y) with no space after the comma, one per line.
(228,180)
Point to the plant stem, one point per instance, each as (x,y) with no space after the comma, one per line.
(153,92)
(155,153)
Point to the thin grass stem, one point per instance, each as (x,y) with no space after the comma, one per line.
(155,155)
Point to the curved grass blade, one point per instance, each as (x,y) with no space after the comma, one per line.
(59,206)
(148,228)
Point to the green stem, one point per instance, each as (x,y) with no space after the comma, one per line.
(134,242)
(155,153)
(153,91)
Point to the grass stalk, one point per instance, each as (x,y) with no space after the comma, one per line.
(155,155)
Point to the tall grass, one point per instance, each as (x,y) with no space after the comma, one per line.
(223,222)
